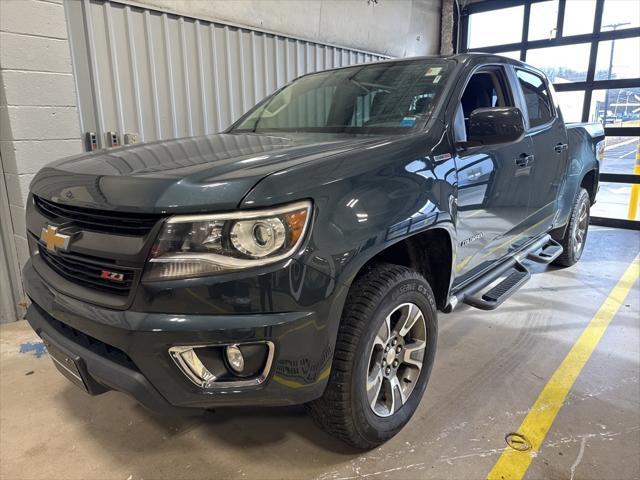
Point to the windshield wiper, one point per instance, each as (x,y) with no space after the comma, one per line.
(358,84)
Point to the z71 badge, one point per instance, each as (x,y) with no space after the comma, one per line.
(113,276)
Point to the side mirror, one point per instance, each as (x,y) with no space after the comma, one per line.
(494,125)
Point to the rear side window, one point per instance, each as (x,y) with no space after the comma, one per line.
(537,98)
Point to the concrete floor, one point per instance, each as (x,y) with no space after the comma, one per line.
(489,369)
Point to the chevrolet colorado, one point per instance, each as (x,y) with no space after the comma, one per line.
(301,256)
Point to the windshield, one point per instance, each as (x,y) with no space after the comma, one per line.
(378,98)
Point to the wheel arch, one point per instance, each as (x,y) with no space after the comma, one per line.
(430,253)
(590,183)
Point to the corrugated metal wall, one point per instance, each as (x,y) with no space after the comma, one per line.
(159,75)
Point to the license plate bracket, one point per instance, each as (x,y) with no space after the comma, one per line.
(67,363)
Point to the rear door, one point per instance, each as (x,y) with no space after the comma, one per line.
(549,136)
(494,190)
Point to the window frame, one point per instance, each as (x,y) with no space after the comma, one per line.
(510,96)
(595,39)
(554,111)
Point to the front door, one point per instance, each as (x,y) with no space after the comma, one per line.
(494,187)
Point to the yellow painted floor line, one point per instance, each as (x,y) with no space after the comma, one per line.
(513,464)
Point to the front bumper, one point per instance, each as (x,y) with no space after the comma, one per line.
(127,351)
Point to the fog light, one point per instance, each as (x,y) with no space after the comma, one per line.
(235,358)
(225,366)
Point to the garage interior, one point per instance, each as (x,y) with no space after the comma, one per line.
(79,75)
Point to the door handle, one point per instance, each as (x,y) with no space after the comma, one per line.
(561,147)
(525,160)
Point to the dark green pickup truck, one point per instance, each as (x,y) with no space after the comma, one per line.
(302,255)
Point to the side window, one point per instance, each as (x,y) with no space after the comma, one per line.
(537,98)
(486,88)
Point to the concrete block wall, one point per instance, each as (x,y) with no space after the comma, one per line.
(38,113)
(39,119)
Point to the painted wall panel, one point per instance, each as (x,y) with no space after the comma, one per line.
(158,75)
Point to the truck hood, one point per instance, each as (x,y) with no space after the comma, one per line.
(193,174)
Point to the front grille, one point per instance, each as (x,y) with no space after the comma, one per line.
(90,343)
(83,271)
(120,223)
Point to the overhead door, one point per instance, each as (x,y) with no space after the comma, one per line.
(146,75)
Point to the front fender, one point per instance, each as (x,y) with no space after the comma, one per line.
(365,202)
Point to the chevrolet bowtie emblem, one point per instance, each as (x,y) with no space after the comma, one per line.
(54,240)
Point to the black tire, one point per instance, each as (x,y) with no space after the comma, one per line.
(344,410)
(578,222)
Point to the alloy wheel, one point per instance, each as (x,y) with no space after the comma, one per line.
(581,229)
(396,359)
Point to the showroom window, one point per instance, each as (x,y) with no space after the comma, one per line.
(590,51)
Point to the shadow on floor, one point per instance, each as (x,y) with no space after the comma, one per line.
(238,427)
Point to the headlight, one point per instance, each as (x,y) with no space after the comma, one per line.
(196,245)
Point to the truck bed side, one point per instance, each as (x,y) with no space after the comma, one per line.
(586,141)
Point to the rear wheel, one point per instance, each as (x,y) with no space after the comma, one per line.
(383,357)
(575,235)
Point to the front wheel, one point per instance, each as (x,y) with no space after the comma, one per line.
(383,357)
(575,235)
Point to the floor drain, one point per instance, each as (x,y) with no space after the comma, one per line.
(517,442)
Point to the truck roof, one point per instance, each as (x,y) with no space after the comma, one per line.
(460,58)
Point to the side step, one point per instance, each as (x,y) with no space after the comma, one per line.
(512,272)
(546,253)
(516,276)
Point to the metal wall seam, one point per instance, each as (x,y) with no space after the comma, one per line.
(252,36)
(214,73)
(203,88)
(287,59)
(241,63)
(113,63)
(153,74)
(276,61)
(167,52)
(134,71)
(93,69)
(227,46)
(185,75)
(318,54)
(265,68)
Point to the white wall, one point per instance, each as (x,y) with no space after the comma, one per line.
(38,114)
(400,28)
